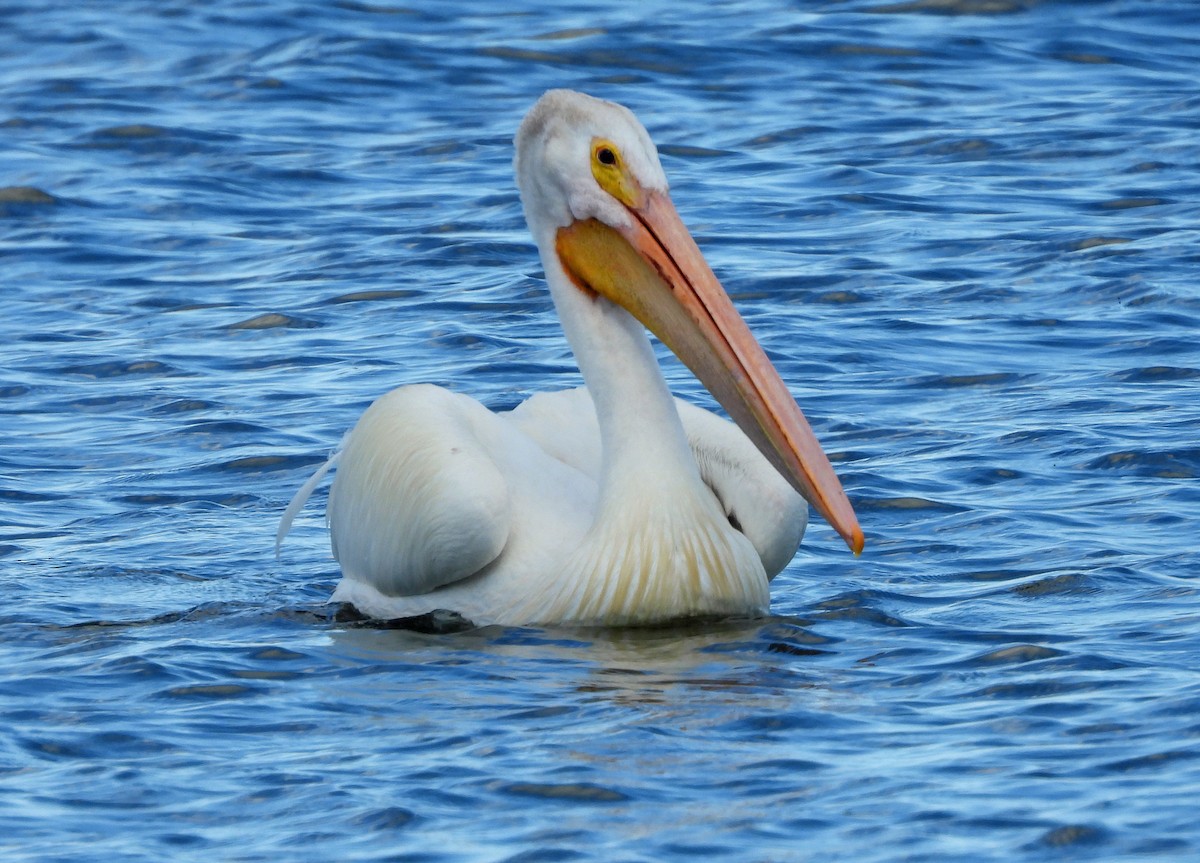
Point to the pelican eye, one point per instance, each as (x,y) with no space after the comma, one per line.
(605,155)
(611,173)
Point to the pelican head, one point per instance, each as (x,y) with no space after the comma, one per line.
(596,200)
(580,158)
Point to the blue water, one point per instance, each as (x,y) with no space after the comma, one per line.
(966,231)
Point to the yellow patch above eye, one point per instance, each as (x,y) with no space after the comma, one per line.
(610,172)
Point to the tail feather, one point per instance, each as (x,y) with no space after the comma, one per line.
(301,497)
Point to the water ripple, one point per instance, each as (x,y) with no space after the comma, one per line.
(965,232)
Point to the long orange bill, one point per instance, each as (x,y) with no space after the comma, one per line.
(654,269)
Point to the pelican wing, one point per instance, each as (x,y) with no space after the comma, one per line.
(757,499)
(418,502)
(563,424)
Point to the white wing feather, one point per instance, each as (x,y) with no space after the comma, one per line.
(417,502)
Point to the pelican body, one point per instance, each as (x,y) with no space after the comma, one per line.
(611,504)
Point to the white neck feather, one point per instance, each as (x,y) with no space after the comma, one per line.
(640,431)
(660,546)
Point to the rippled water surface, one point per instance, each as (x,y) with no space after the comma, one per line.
(967,232)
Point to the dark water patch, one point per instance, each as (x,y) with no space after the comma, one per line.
(992,476)
(184,840)
(17,495)
(879,203)
(618,672)
(1102,730)
(541,713)
(373,296)
(1073,836)
(1044,688)
(1015,655)
(982,292)
(861,614)
(185,303)
(570,33)
(565,636)
(790,649)
(548,855)
(212,691)
(1154,761)
(123,746)
(686,151)
(136,130)
(875,50)
(1065,583)
(221,428)
(954,7)
(1163,846)
(1084,57)
(797,628)
(108,403)
(388,819)
(258,363)
(697,851)
(1048,435)
(1096,242)
(986,379)
(1180,464)
(1011,822)
(203,612)
(957,275)
(1183,706)
(784,136)
(962,149)
(274,320)
(265,674)
(122,368)
(260,464)
(30,195)
(1000,636)
(766,725)
(276,654)
(1088,662)
(645,62)
(158,499)
(792,639)
(1156,374)
(150,139)
(839,298)
(917,504)
(570,792)
(1129,203)
(785,767)
(53,749)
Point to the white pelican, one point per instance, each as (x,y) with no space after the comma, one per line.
(611,504)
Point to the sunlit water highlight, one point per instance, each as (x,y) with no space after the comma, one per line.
(966,231)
